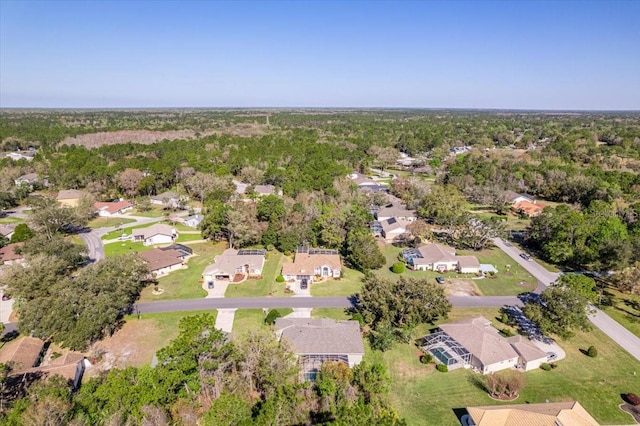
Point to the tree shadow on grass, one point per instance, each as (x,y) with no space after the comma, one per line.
(477,381)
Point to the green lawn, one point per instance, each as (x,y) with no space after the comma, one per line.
(185,283)
(424,396)
(267,286)
(506,283)
(253,319)
(154,212)
(349,283)
(183,238)
(334,313)
(625,309)
(10,219)
(123,247)
(103,222)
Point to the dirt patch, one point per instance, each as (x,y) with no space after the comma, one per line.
(133,345)
(460,287)
(408,371)
(146,137)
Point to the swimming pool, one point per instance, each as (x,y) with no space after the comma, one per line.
(443,356)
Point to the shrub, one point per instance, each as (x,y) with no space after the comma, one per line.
(270,247)
(545,366)
(272,316)
(442,368)
(592,352)
(280,279)
(398,268)
(633,399)
(505,384)
(358,317)
(427,359)
(504,318)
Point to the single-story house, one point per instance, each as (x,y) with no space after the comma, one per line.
(531,357)
(431,257)
(70,197)
(8,254)
(392,228)
(241,187)
(193,221)
(24,353)
(155,234)
(567,413)
(110,208)
(162,261)
(264,190)
(244,262)
(315,341)
(528,208)
(7,231)
(69,366)
(27,179)
(514,197)
(397,211)
(309,263)
(168,199)
(468,265)
(472,343)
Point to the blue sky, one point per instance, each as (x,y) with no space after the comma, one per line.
(474,54)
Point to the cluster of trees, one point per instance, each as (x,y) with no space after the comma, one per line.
(563,307)
(600,237)
(393,309)
(202,377)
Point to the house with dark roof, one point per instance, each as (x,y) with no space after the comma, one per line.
(514,197)
(567,413)
(315,341)
(310,263)
(163,261)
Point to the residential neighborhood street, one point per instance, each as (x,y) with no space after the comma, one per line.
(95,248)
(534,268)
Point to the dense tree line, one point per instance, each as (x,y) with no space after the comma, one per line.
(203,377)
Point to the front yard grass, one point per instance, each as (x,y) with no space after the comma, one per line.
(10,219)
(625,309)
(267,286)
(337,314)
(349,284)
(246,320)
(185,283)
(104,222)
(425,396)
(154,212)
(507,282)
(123,247)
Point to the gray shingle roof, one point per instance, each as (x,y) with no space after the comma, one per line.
(321,336)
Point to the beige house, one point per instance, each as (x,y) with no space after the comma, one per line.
(468,265)
(315,341)
(393,228)
(70,197)
(569,413)
(310,263)
(243,263)
(530,356)
(441,258)
(397,211)
(7,231)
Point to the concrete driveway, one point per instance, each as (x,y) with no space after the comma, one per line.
(218,290)
(224,319)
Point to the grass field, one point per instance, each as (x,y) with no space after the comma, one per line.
(10,219)
(625,309)
(507,283)
(185,283)
(349,283)
(265,286)
(124,247)
(154,212)
(334,313)
(103,222)
(184,238)
(424,396)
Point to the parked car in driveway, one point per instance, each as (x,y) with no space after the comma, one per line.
(210,285)
(525,256)
(304,284)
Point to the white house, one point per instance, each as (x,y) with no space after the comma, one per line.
(309,263)
(168,199)
(245,263)
(107,209)
(155,234)
(431,257)
(315,341)
(530,356)
(193,221)
(468,265)
(514,197)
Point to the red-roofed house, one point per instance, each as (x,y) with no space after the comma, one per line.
(527,208)
(111,208)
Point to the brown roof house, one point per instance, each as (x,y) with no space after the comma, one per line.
(9,256)
(243,263)
(162,261)
(315,341)
(107,209)
(70,197)
(528,208)
(310,263)
(569,413)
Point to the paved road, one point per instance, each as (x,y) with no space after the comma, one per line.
(94,245)
(623,337)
